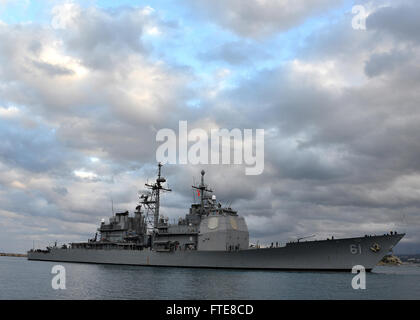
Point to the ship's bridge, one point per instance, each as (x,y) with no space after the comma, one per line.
(223,232)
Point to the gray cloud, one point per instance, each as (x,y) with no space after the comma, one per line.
(260,18)
(401,22)
(100,36)
(51,69)
(384,62)
(235,53)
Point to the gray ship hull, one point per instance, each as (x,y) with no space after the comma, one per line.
(338,255)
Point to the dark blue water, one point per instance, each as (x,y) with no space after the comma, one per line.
(23,279)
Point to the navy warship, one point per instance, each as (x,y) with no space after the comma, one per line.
(209,236)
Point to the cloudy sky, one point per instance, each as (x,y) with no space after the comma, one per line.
(85,86)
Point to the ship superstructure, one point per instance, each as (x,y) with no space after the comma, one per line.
(207,226)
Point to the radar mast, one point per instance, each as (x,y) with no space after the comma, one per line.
(203,188)
(151,200)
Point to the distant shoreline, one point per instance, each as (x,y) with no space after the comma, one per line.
(20,255)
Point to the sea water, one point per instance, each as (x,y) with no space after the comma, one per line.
(23,279)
